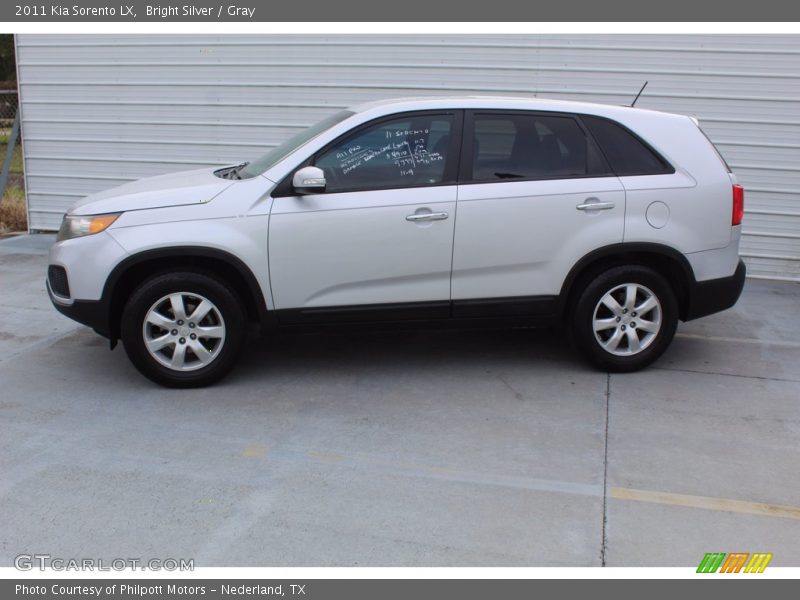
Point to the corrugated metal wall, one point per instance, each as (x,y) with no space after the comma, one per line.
(102,110)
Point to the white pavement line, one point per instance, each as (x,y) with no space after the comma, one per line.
(446,474)
(42,343)
(245,515)
(734,340)
(543,485)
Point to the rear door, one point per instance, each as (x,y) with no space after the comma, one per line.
(535,196)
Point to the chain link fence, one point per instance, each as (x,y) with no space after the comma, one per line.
(9,102)
(13,212)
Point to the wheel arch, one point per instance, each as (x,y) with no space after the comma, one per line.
(134,269)
(665,260)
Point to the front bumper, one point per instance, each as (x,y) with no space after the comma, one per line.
(714,295)
(87,262)
(93,313)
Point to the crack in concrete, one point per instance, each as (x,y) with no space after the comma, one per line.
(698,372)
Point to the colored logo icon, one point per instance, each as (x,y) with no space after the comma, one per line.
(735,562)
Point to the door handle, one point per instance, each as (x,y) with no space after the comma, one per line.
(437,216)
(595,206)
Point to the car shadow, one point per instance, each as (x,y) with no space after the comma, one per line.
(363,349)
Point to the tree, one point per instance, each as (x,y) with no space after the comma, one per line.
(8,61)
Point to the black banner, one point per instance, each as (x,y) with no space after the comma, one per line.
(408,10)
(386,589)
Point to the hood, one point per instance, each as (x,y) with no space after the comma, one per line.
(174,189)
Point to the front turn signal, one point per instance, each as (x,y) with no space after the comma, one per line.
(79,226)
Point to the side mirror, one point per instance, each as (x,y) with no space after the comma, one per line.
(309,180)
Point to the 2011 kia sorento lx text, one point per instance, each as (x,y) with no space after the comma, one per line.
(611,222)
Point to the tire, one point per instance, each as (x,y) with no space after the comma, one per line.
(608,326)
(193,349)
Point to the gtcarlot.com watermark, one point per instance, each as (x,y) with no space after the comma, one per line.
(43,562)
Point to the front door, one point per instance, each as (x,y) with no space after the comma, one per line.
(379,240)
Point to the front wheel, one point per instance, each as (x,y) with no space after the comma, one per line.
(625,318)
(183,329)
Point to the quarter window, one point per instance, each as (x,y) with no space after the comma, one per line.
(520,146)
(626,153)
(404,152)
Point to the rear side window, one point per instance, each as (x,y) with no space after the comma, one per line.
(530,146)
(626,153)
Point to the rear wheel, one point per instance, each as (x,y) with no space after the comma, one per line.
(183,329)
(625,318)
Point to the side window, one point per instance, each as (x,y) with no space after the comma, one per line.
(404,152)
(626,153)
(520,146)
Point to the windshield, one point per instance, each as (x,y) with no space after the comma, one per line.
(283,150)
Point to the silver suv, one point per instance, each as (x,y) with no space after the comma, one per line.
(611,222)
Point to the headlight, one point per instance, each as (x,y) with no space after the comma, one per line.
(72,227)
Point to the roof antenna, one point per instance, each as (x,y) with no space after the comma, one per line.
(639,94)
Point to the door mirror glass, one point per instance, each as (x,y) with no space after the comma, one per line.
(309,180)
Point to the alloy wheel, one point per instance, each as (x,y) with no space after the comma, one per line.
(184,331)
(627,319)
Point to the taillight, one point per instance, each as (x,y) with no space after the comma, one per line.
(738,205)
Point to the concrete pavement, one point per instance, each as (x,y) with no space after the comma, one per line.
(489,448)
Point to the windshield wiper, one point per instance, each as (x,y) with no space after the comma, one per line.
(231,172)
(235,170)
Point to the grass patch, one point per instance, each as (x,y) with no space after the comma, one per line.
(13,214)
(16,160)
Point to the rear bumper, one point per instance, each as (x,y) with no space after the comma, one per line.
(715,295)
